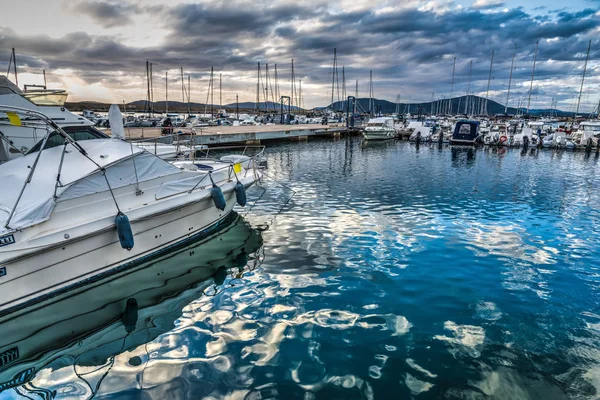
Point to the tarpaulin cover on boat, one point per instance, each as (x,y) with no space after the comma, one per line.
(79,177)
(466,131)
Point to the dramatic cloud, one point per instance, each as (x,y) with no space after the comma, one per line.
(410,47)
(106,14)
(482,4)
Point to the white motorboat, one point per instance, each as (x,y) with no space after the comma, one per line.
(422,130)
(380,128)
(587,135)
(19,135)
(87,325)
(557,140)
(62,211)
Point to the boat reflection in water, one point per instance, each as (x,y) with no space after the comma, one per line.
(84,331)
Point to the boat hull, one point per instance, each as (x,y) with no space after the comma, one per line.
(379,135)
(86,323)
(52,271)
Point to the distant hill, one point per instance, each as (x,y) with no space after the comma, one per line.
(458,106)
(174,106)
(384,106)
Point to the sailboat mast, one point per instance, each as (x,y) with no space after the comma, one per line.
(151,90)
(355,96)
(487,92)
(258,87)
(452,84)
(182,87)
(293,88)
(333,75)
(220,90)
(371,92)
(587,57)
(45,85)
(344,100)
(468,87)
(212,92)
(300,95)
(189,90)
(266,82)
(148,87)
(512,64)
(166,92)
(276,85)
(532,75)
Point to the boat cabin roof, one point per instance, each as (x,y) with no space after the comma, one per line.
(78,177)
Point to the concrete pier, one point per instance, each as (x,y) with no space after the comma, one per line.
(243,134)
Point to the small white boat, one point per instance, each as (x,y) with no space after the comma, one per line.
(62,211)
(380,128)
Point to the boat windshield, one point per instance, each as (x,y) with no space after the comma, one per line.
(46,97)
(78,133)
(595,128)
(376,124)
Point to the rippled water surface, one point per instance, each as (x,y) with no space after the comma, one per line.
(395,271)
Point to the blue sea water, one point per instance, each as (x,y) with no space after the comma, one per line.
(394,271)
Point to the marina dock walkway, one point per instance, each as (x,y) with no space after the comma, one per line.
(236,134)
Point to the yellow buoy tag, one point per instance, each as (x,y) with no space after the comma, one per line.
(13,119)
(237,168)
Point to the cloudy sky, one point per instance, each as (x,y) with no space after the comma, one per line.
(97,49)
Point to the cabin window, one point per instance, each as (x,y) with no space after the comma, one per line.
(78,133)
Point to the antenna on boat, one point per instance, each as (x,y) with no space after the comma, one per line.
(587,57)
(45,85)
(12,62)
(487,93)
(532,75)
(510,79)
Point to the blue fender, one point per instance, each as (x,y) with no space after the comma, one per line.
(218,198)
(240,194)
(124,231)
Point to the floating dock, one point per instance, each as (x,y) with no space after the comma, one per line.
(251,134)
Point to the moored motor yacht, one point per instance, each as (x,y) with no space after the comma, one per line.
(379,128)
(72,211)
(466,133)
(19,134)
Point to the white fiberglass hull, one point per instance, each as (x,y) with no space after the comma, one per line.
(86,324)
(378,135)
(53,269)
